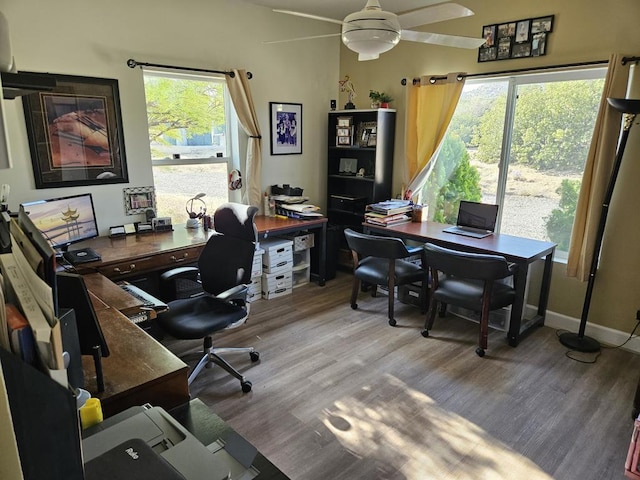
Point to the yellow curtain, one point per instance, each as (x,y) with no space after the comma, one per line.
(430,107)
(597,172)
(243,103)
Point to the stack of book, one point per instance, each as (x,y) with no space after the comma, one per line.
(387,213)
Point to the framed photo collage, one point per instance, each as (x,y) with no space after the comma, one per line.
(516,39)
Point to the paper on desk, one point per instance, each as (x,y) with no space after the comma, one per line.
(300,208)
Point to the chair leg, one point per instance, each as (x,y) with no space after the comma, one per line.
(392,298)
(484,331)
(354,292)
(431,316)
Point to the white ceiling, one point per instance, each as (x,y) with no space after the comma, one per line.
(338,9)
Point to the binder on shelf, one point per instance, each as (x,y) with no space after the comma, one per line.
(20,335)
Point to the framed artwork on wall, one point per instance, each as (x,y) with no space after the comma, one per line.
(286,128)
(516,39)
(75,133)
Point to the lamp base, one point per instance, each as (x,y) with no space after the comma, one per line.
(193,223)
(581,344)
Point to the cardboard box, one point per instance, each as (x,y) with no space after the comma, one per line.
(278,255)
(301,242)
(276,281)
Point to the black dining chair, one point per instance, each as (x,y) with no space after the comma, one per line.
(470,280)
(379,260)
(223,273)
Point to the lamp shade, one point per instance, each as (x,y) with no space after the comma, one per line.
(371,32)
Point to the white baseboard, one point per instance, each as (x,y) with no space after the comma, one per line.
(605,335)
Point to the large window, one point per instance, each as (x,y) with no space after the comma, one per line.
(520,142)
(189,119)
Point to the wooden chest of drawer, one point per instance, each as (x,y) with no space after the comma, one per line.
(161,261)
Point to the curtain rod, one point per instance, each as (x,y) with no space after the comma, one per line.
(133,64)
(434,79)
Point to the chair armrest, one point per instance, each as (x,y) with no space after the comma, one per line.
(239,292)
(180,272)
(169,281)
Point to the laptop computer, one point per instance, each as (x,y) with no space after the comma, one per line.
(477,220)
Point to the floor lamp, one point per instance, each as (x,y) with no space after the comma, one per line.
(578,341)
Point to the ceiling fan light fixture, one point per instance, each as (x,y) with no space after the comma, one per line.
(371,32)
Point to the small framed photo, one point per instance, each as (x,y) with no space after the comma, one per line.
(504,48)
(542,25)
(538,44)
(489,35)
(139,199)
(521,50)
(343,141)
(507,30)
(371,142)
(487,54)
(343,132)
(344,121)
(522,31)
(286,128)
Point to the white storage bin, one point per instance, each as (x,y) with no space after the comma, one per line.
(281,292)
(301,241)
(275,281)
(278,255)
(256,269)
(301,276)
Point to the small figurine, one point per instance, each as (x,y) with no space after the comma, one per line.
(347,86)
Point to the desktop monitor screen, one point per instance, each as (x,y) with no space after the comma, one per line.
(64,220)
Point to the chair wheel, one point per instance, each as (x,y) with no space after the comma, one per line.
(354,306)
(246,386)
(392,322)
(480,352)
(255,356)
(425,333)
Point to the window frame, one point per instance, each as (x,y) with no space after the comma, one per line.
(231,159)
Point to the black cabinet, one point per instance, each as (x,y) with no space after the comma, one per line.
(360,162)
(360,169)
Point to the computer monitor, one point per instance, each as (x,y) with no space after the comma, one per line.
(29,238)
(65,220)
(73,293)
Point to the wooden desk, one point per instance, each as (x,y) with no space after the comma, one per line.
(135,255)
(523,251)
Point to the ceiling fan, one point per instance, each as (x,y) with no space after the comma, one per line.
(372,31)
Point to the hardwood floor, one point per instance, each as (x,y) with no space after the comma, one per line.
(339,394)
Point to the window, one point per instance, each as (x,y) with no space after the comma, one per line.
(522,143)
(189,118)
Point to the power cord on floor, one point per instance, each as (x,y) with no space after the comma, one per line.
(569,353)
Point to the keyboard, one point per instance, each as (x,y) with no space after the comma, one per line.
(468,231)
(148,300)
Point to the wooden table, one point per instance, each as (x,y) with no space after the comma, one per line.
(135,255)
(523,251)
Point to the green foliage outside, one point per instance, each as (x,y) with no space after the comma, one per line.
(552,128)
(173,105)
(560,222)
(452,179)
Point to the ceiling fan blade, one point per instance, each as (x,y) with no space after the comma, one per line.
(433,14)
(308,15)
(303,38)
(367,56)
(440,39)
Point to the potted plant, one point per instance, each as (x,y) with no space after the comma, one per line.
(379,99)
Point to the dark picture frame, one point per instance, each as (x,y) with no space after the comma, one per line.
(286,128)
(75,133)
(516,39)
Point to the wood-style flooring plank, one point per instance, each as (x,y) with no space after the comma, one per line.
(339,394)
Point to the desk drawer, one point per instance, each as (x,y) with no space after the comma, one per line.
(161,261)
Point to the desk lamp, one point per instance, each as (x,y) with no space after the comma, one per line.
(578,341)
(194,217)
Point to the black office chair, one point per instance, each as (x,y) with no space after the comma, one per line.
(469,280)
(224,272)
(381,260)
